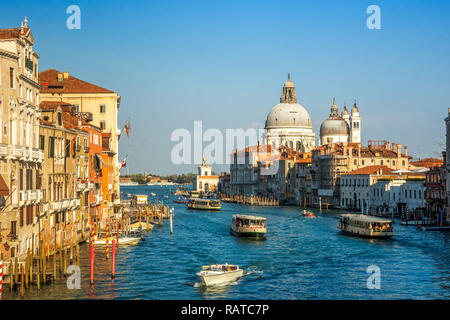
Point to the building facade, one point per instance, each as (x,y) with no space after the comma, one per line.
(205,181)
(20,157)
(101,103)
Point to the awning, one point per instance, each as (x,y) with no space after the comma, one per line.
(4,190)
(101,159)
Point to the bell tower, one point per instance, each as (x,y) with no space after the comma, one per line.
(355,125)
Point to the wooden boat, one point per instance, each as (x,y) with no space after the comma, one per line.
(204,204)
(219,274)
(366,226)
(180,201)
(307,213)
(248,226)
(123,240)
(138,226)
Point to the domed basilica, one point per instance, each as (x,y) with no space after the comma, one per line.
(289,124)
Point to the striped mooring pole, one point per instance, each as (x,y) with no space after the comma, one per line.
(107,238)
(92,254)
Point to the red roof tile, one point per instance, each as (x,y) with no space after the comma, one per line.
(370,170)
(50,84)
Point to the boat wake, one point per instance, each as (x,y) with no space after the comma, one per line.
(252,271)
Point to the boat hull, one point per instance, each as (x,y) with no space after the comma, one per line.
(362,233)
(223,278)
(207,208)
(248,233)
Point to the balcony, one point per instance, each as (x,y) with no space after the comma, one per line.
(98,198)
(55,205)
(3,150)
(16,152)
(23,197)
(31,195)
(65,204)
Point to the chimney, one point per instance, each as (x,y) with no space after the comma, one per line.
(66,75)
(399,150)
(389,145)
(406,150)
(60,77)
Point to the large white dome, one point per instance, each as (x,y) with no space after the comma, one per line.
(288,115)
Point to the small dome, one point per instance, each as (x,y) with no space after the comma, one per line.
(355,108)
(288,115)
(334,127)
(345,111)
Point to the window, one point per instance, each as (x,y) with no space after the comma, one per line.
(381,162)
(21,217)
(41,142)
(11,78)
(51,149)
(102,108)
(59,119)
(103,124)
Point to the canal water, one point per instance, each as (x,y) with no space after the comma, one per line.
(302,258)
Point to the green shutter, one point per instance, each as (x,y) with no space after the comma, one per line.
(67,148)
(51,147)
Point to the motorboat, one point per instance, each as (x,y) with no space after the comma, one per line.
(180,201)
(308,213)
(366,226)
(248,226)
(219,274)
(125,240)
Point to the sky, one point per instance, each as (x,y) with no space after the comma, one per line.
(225,62)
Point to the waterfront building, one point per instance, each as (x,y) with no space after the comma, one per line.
(65,165)
(107,175)
(303,179)
(289,123)
(101,103)
(330,161)
(20,157)
(244,170)
(341,127)
(205,181)
(224,183)
(435,184)
(398,195)
(96,163)
(356,186)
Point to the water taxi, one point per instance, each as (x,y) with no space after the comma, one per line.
(248,226)
(366,226)
(219,274)
(307,213)
(204,204)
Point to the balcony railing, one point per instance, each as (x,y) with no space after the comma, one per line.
(3,150)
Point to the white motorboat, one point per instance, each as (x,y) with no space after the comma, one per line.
(219,274)
(122,240)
